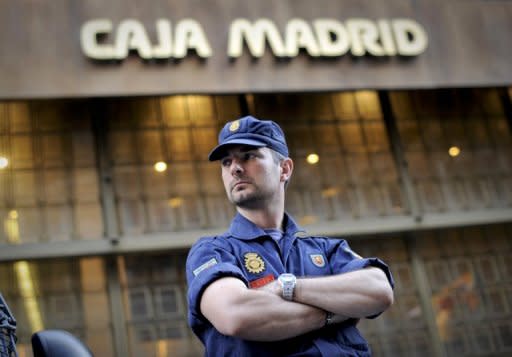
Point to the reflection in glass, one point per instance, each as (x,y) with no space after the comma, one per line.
(24,275)
(154,291)
(4,162)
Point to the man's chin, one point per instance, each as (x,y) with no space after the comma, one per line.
(249,203)
(241,194)
(240,199)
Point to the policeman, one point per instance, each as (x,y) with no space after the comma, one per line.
(265,287)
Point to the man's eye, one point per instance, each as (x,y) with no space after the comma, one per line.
(249,155)
(226,162)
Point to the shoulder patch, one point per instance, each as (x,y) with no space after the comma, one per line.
(204,266)
(253,263)
(318,260)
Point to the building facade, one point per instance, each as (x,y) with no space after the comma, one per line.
(398,117)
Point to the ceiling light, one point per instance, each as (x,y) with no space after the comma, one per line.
(312,159)
(175,202)
(4,162)
(454,151)
(160,166)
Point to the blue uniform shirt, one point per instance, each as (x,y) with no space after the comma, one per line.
(250,254)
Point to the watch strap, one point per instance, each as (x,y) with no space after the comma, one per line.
(288,291)
(288,283)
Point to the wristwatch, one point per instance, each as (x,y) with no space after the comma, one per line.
(288,282)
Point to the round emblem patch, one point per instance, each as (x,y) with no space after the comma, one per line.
(234,125)
(318,260)
(253,263)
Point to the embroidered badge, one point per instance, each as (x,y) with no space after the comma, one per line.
(258,283)
(204,266)
(318,260)
(253,263)
(234,126)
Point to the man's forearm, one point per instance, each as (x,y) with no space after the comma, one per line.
(258,315)
(355,294)
(276,319)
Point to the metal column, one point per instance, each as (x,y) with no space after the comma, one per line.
(111,229)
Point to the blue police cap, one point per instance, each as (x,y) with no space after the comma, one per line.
(250,131)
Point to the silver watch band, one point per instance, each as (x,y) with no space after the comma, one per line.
(288,291)
(288,282)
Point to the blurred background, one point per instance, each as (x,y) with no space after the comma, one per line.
(105,183)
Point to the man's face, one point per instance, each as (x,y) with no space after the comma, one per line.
(251,176)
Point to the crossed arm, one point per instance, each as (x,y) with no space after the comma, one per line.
(263,315)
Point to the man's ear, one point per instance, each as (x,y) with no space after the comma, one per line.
(286,169)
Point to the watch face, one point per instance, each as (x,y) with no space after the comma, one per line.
(287,278)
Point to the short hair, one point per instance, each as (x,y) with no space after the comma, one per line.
(278,158)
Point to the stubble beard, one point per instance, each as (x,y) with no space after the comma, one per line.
(250,200)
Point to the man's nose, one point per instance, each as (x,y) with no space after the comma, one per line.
(236,167)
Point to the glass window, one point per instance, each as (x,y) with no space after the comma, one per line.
(154,293)
(355,176)
(181,132)
(68,294)
(51,174)
(454,149)
(468,296)
(149,143)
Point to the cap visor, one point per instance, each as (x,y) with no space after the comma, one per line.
(220,151)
